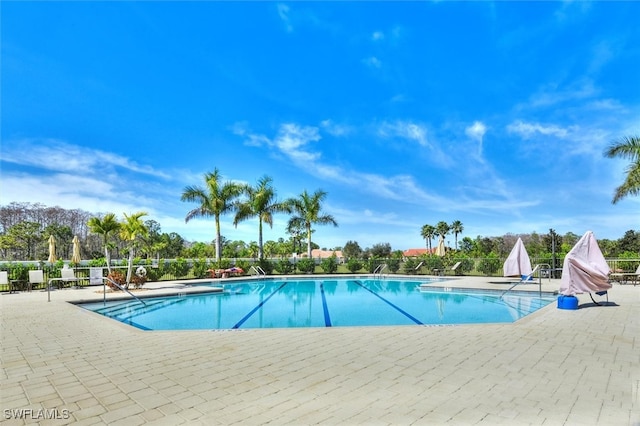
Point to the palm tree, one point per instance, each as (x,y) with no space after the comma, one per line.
(627,147)
(131,228)
(215,200)
(261,202)
(105,227)
(442,229)
(456,228)
(307,211)
(427,232)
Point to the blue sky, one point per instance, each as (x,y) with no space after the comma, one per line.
(407,113)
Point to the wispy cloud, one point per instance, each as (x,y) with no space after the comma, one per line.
(552,94)
(372,62)
(406,130)
(414,132)
(476,132)
(528,130)
(57,155)
(283,13)
(377,35)
(335,129)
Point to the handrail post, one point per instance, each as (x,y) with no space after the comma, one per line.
(121,288)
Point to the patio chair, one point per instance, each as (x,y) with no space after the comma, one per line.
(625,277)
(455,267)
(4,278)
(35,277)
(67,275)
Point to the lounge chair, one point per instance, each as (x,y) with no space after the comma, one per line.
(455,267)
(35,277)
(625,277)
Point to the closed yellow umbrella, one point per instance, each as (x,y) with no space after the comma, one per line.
(75,258)
(52,249)
(441,251)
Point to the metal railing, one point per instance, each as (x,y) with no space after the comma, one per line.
(258,271)
(538,268)
(378,270)
(104,290)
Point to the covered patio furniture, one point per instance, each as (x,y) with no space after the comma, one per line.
(518,263)
(585,269)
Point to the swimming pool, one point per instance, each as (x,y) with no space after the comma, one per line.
(277,303)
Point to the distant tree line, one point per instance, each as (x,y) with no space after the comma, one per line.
(26,227)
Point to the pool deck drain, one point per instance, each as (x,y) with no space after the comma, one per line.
(63,365)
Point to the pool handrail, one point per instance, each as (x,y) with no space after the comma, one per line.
(258,271)
(104,290)
(524,279)
(378,270)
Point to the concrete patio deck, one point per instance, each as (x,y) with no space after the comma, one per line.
(554,367)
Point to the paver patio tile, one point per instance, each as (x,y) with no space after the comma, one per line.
(512,374)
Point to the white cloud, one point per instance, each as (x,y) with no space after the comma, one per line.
(283,13)
(476,131)
(335,129)
(291,139)
(373,62)
(527,130)
(407,130)
(57,155)
(377,35)
(553,95)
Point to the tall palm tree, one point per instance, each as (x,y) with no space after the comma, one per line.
(627,147)
(215,199)
(261,203)
(131,228)
(456,228)
(442,229)
(427,232)
(105,227)
(307,211)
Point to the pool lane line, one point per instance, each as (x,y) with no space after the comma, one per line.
(254,310)
(403,312)
(325,309)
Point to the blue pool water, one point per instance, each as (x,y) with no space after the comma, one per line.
(323,303)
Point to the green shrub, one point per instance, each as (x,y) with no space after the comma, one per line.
(489,265)
(284,267)
(179,268)
(266,266)
(306,265)
(409,266)
(432,262)
(393,265)
(354,265)
(329,265)
(373,263)
(466,265)
(200,268)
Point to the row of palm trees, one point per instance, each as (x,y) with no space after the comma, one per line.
(129,229)
(217,198)
(442,229)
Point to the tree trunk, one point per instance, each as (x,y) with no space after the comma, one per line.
(129,268)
